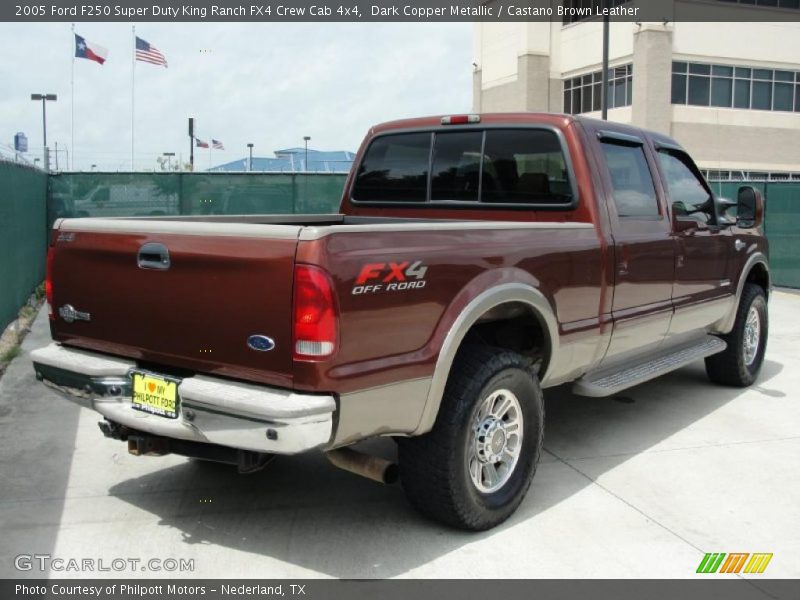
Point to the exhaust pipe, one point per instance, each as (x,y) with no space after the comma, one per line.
(372,467)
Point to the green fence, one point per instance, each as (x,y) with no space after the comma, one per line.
(781,224)
(23,236)
(140,194)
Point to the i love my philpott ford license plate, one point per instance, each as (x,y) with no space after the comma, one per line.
(155,395)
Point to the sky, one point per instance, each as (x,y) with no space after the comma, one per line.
(265,83)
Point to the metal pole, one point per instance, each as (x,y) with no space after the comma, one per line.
(44,121)
(191,143)
(604,105)
(133,93)
(72,101)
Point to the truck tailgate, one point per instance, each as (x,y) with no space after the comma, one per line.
(178,294)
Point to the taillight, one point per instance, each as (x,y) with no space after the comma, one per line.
(316,325)
(48,284)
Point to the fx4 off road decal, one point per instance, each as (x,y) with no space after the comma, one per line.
(390,277)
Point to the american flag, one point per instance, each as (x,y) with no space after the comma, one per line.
(148,53)
(216,144)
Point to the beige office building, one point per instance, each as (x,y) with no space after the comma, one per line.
(729,92)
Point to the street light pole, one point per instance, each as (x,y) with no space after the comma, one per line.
(250,160)
(306,138)
(604,76)
(45,98)
(169,156)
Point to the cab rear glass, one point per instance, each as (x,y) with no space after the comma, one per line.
(519,167)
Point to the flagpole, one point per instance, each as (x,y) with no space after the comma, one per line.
(72,102)
(133,91)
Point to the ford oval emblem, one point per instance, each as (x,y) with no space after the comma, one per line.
(261,343)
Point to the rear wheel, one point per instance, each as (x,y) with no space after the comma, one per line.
(741,362)
(474,467)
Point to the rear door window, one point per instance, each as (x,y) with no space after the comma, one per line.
(395,169)
(631,181)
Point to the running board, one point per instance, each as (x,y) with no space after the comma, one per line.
(607,382)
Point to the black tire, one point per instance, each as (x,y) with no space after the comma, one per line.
(435,467)
(731,367)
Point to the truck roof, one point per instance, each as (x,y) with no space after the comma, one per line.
(559,120)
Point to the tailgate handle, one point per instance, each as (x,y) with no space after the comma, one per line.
(153,256)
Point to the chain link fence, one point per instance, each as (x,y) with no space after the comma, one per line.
(23,235)
(158,194)
(781,224)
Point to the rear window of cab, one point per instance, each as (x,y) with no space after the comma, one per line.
(524,167)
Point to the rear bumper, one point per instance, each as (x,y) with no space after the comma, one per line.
(212,410)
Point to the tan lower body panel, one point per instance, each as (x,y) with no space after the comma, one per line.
(394,408)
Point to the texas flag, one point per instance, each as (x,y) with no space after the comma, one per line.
(200,143)
(84,49)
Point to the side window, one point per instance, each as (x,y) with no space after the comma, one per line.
(631,180)
(524,166)
(395,169)
(455,173)
(690,197)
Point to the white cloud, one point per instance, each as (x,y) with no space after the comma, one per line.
(270,84)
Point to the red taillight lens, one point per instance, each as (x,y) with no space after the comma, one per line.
(48,283)
(316,325)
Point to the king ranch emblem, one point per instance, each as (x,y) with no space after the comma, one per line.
(390,277)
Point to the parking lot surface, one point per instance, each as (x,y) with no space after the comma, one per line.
(640,485)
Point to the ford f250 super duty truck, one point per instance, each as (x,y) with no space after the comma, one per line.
(477,259)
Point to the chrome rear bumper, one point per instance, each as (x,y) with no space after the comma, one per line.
(212,410)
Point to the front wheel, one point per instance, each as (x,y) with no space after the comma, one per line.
(741,362)
(474,467)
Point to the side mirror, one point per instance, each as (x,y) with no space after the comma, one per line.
(723,205)
(749,208)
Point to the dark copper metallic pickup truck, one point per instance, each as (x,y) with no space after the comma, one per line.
(477,259)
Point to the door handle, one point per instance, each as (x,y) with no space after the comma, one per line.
(153,255)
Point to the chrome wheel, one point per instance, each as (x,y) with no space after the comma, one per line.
(495,441)
(752,336)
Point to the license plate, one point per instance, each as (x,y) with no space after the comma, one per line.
(155,395)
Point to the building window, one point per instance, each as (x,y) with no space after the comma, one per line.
(580,10)
(725,86)
(789,4)
(583,94)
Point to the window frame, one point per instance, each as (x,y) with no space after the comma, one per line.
(763,78)
(469,204)
(594,89)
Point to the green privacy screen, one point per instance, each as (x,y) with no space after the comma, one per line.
(782,225)
(23,236)
(154,194)
(140,194)
(783,233)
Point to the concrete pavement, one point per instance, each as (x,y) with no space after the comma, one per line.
(640,485)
